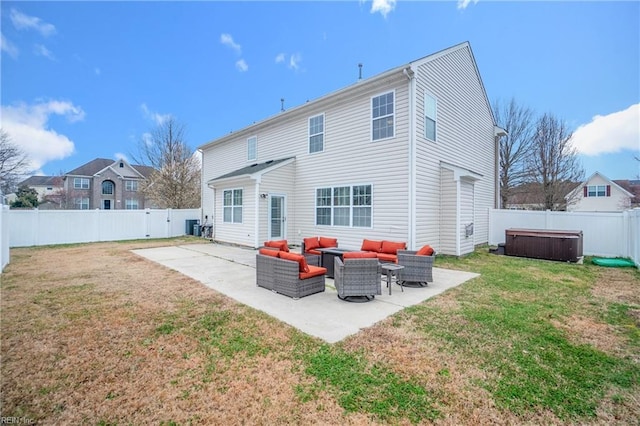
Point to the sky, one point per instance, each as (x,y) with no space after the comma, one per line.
(85,80)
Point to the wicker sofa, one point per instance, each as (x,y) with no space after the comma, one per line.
(286,276)
(357,279)
(418,268)
(309,245)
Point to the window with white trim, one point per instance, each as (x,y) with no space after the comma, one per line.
(316,133)
(252,148)
(232,205)
(596,190)
(131,185)
(81,203)
(344,206)
(430,113)
(382,116)
(107,187)
(80,183)
(131,204)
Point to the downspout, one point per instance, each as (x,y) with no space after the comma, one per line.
(411,224)
(498,132)
(458,207)
(256,196)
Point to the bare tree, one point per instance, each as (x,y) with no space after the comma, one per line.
(519,123)
(554,162)
(175,181)
(14,163)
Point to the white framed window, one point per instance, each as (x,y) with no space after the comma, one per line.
(131,204)
(345,206)
(131,185)
(430,114)
(232,205)
(107,187)
(316,133)
(252,148)
(81,203)
(597,191)
(382,116)
(80,183)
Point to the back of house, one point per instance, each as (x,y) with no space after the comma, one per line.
(407,155)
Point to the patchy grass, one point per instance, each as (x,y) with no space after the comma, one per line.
(94,334)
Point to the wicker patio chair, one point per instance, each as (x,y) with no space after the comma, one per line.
(357,280)
(417,268)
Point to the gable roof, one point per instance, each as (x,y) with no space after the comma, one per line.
(97,165)
(254,169)
(350,90)
(39,181)
(586,182)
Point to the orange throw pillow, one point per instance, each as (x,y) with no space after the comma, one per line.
(371,245)
(359,255)
(280,244)
(303,266)
(425,251)
(328,242)
(392,247)
(269,252)
(311,243)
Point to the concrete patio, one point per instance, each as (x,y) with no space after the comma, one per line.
(231,271)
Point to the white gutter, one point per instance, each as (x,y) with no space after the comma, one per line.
(411,237)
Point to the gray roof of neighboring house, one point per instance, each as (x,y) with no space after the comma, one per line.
(94,166)
(39,181)
(253,168)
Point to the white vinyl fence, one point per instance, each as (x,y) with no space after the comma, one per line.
(614,234)
(4,236)
(43,227)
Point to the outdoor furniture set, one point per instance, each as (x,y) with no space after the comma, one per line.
(357,274)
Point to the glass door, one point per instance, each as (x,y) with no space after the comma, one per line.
(277,217)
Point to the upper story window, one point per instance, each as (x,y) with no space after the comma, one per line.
(131,185)
(344,206)
(430,113)
(316,133)
(232,206)
(80,183)
(252,148)
(596,191)
(107,187)
(131,204)
(382,125)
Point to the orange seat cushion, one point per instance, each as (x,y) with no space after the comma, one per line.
(303,266)
(359,255)
(386,257)
(426,250)
(392,247)
(279,244)
(328,242)
(311,243)
(371,245)
(314,271)
(269,252)
(319,253)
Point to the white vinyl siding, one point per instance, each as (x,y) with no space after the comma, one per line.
(252,148)
(382,116)
(316,133)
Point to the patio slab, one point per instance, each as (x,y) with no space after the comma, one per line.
(231,271)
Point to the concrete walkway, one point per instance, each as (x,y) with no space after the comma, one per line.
(231,271)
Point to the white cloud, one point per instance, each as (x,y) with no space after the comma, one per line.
(610,133)
(8,47)
(28,127)
(294,61)
(280,58)
(154,116)
(462,4)
(41,50)
(383,6)
(227,40)
(242,66)
(26,22)
(120,156)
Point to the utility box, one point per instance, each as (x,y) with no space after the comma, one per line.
(550,244)
(189,226)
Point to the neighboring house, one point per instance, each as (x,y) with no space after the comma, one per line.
(529,196)
(106,184)
(599,194)
(633,187)
(44,185)
(407,155)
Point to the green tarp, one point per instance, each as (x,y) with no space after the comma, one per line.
(611,262)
